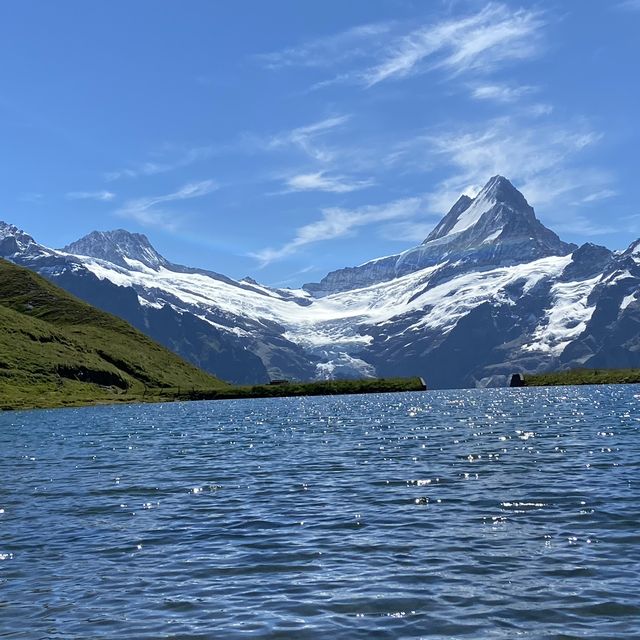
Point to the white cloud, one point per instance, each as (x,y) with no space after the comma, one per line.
(305,138)
(596,196)
(407,231)
(338,222)
(103,196)
(320,181)
(186,158)
(537,157)
(500,93)
(321,52)
(481,42)
(145,210)
(539,109)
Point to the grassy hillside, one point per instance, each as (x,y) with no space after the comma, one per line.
(584,376)
(58,351)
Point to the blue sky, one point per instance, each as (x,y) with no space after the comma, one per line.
(285,139)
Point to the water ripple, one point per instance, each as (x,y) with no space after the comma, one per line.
(483,514)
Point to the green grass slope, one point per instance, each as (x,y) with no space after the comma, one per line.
(58,351)
(584,376)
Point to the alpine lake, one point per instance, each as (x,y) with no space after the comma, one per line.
(504,513)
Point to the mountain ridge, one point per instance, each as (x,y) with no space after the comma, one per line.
(490,291)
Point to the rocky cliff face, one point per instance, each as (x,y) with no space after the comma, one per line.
(490,291)
(118,247)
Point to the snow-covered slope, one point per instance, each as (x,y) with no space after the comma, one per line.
(490,291)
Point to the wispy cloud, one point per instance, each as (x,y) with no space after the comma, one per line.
(103,196)
(580,225)
(540,158)
(32,198)
(321,181)
(295,276)
(147,212)
(338,222)
(500,93)
(596,196)
(306,138)
(405,231)
(186,158)
(330,50)
(480,42)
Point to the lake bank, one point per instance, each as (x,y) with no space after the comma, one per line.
(583,377)
(84,394)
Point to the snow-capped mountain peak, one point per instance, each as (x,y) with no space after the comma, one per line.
(14,241)
(484,217)
(11,231)
(119,247)
(633,250)
(496,228)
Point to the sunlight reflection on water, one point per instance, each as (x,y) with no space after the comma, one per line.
(491,514)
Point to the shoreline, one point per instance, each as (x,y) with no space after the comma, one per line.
(176,394)
(581,377)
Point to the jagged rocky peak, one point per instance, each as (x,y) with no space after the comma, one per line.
(448,222)
(633,250)
(120,247)
(498,205)
(496,228)
(14,240)
(11,231)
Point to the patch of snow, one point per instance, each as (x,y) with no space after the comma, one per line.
(626,301)
(149,303)
(380,259)
(492,237)
(616,276)
(344,365)
(473,213)
(566,319)
(333,323)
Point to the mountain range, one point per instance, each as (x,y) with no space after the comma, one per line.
(489,292)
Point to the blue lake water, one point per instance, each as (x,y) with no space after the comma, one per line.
(463,514)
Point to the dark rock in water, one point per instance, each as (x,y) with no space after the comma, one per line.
(517,380)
